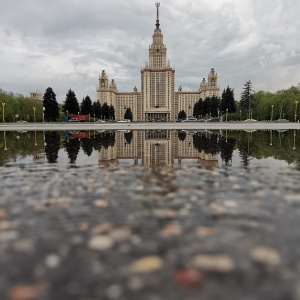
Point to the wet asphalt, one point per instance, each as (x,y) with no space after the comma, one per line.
(154,234)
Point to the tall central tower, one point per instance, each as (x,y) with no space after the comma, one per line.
(157,78)
(157,51)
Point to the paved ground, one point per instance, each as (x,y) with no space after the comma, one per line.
(145,126)
(136,234)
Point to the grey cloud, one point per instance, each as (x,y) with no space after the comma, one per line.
(77,39)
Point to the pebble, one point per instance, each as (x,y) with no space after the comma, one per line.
(24,245)
(114,291)
(146,264)
(230,203)
(188,278)
(4,225)
(265,255)
(120,234)
(101,203)
(217,208)
(83,226)
(215,263)
(204,231)
(23,292)
(8,235)
(101,242)
(294,198)
(52,261)
(3,214)
(171,230)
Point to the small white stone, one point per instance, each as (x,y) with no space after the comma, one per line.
(215,263)
(266,255)
(230,203)
(146,264)
(52,261)
(100,242)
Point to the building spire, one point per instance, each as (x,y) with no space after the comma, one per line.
(157,4)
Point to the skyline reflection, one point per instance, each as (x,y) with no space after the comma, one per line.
(152,148)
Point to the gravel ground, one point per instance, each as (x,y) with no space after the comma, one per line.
(112,233)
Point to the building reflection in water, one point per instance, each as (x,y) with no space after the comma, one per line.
(158,148)
(153,148)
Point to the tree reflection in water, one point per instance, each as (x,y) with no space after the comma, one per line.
(281,145)
(181,135)
(52,146)
(128,137)
(72,147)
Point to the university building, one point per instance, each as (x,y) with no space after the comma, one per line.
(157,98)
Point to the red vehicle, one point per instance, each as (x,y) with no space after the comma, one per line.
(80,135)
(80,118)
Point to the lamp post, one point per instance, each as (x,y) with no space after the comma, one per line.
(3,107)
(226,114)
(294,148)
(272,112)
(4,137)
(296,102)
(240,115)
(34,114)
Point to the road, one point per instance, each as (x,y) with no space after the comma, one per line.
(151,126)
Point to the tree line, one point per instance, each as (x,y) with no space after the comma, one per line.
(261,105)
(71,106)
(213,107)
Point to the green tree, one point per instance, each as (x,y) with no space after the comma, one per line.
(246,99)
(182,114)
(227,101)
(51,111)
(128,114)
(71,105)
(97,110)
(105,110)
(206,106)
(111,112)
(86,107)
(214,106)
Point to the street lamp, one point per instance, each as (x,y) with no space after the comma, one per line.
(272,112)
(34,114)
(4,137)
(240,115)
(3,107)
(226,114)
(296,102)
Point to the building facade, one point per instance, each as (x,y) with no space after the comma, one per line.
(157,98)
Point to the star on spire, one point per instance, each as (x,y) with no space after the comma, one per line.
(157,4)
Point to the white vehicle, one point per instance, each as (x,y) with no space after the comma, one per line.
(123,121)
(190,120)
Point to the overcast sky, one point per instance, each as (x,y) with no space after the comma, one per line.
(65,44)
